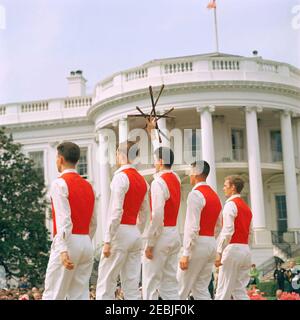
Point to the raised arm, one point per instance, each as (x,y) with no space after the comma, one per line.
(229,214)
(195,204)
(119,187)
(59,196)
(144,212)
(93,223)
(159,195)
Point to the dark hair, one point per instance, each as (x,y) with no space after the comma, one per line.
(165,154)
(130,149)
(70,151)
(237,181)
(203,166)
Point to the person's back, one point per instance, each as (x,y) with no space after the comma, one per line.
(74,225)
(128,208)
(202,223)
(172,205)
(162,236)
(242,222)
(81,200)
(134,196)
(234,257)
(210,212)
(280,277)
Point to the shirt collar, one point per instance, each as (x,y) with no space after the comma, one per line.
(202,183)
(124,167)
(160,173)
(68,171)
(233,197)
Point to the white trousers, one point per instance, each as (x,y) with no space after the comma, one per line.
(62,284)
(197,277)
(234,273)
(125,260)
(159,274)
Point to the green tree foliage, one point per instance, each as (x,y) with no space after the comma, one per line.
(24,241)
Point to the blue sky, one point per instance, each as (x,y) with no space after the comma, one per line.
(45,39)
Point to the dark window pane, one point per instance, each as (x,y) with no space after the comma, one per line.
(276,146)
(237,141)
(38,159)
(281,213)
(82,166)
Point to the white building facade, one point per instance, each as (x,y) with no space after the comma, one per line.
(248,110)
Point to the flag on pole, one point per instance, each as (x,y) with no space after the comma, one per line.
(212,5)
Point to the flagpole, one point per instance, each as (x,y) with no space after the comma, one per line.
(216,29)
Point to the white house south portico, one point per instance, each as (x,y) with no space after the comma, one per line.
(248,112)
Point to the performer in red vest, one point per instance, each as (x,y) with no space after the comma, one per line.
(74,225)
(128,209)
(202,225)
(162,237)
(233,252)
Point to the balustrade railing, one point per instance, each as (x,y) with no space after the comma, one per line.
(35,107)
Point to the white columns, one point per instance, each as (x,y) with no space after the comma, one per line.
(290,180)
(52,174)
(162,123)
(298,140)
(207,139)
(52,169)
(123,130)
(255,176)
(104,170)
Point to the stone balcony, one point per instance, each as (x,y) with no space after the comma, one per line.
(209,69)
(199,68)
(44,111)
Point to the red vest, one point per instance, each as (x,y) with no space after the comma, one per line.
(211,211)
(134,196)
(81,199)
(242,222)
(173,203)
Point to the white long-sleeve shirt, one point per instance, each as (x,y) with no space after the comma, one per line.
(59,194)
(159,195)
(119,187)
(155,140)
(229,214)
(195,203)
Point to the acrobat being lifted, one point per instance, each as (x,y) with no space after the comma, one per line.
(152,116)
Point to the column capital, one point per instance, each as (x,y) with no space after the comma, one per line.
(103,132)
(115,124)
(123,118)
(257,109)
(296,115)
(286,112)
(98,130)
(210,108)
(54,144)
(161,111)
